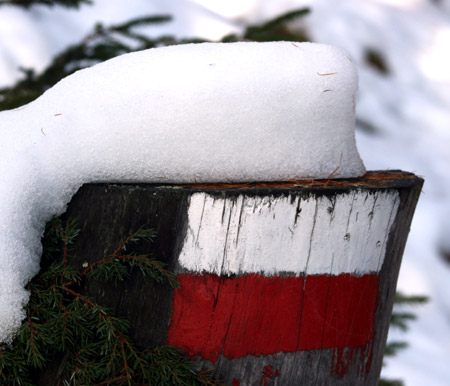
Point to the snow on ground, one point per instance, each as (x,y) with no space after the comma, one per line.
(406,110)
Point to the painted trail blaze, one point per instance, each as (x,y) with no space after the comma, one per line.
(263,275)
(261,315)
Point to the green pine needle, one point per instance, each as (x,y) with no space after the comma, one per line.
(106,42)
(390,382)
(410,300)
(49,3)
(94,344)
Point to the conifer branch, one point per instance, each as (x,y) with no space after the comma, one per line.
(104,43)
(49,3)
(94,344)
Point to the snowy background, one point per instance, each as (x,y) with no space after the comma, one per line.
(403,116)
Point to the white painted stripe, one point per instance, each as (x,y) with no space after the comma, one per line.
(346,233)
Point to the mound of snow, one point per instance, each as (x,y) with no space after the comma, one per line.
(194,113)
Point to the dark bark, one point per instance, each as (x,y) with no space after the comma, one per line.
(108,213)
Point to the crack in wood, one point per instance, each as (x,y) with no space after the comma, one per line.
(323,333)
(298,210)
(372,213)
(201,220)
(230,319)
(311,238)
(229,305)
(225,244)
(243,198)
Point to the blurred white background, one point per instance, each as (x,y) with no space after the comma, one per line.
(403,116)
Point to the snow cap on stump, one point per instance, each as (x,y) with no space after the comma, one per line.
(192,113)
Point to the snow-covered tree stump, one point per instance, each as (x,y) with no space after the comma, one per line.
(280,283)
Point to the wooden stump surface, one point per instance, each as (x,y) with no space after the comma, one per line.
(258,338)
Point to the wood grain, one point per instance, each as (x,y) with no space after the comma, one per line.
(108,213)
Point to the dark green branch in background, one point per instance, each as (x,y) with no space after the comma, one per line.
(104,43)
(95,346)
(49,3)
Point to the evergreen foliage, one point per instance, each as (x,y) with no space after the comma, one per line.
(107,42)
(102,44)
(276,29)
(50,3)
(377,61)
(63,323)
(400,319)
(384,382)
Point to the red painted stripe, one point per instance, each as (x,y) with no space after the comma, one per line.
(258,315)
(351,311)
(314,310)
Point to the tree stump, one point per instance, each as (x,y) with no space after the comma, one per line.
(280,283)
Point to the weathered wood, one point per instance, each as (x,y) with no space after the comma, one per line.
(304,287)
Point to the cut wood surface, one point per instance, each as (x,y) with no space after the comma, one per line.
(286,283)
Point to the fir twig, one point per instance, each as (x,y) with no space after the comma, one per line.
(392,348)
(106,42)
(276,29)
(49,3)
(390,382)
(62,322)
(410,300)
(400,320)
